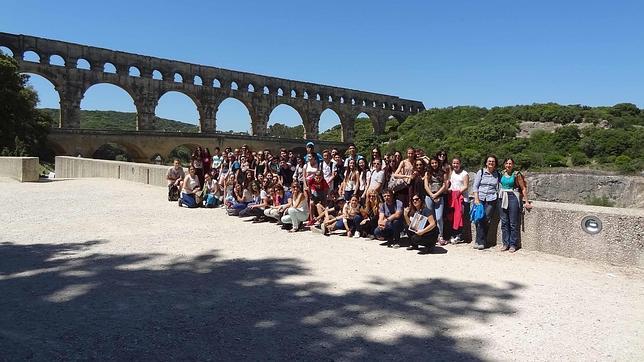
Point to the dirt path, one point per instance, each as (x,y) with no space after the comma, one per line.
(106,269)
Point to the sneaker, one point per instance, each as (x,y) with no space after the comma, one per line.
(412,247)
(453,240)
(504,248)
(513,249)
(317,230)
(323,228)
(357,235)
(179,202)
(479,246)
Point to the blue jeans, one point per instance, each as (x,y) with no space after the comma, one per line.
(510,220)
(484,225)
(353,223)
(437,208)
(391,231)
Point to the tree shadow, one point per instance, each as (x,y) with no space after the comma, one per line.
(59,305)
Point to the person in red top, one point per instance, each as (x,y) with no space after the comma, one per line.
(318,190)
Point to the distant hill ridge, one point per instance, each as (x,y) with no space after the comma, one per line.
(124,121)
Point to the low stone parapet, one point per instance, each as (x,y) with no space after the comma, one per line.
(23,169)
(78,167)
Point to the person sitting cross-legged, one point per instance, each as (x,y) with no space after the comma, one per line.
(389,219)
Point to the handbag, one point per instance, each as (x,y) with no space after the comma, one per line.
(477,213)
(396,184)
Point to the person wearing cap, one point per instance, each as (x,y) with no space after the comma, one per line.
(310,148)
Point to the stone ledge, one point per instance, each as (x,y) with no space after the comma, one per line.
(23,169)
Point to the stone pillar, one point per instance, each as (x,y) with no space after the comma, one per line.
(348,127)
(378,124)
(146,104)
(71,95)
(311,125)
(259,118)
(208,117)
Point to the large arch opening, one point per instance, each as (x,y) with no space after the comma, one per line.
(176,112)
(48,97)
(107,106)
(181,152)
(330,126)
(285,122)
(6,51)
(114,151)
(233,116)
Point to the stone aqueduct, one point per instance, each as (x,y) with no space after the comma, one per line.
(147,78)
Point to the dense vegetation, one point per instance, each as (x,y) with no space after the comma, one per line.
(23,128)
(125,121)
(613,140)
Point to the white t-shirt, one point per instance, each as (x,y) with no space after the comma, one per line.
(376,178)
(457,181)
(328,171)
(192,184)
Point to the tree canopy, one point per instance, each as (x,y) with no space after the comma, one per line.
(23,128)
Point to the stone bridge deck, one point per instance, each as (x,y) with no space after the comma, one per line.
(106,269)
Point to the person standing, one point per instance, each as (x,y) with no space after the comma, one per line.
(485,190)
(513,188)
(458,200)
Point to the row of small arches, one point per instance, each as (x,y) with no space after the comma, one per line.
(133,71)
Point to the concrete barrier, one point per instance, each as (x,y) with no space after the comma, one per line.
(552,228)
(23,169)
(77,167)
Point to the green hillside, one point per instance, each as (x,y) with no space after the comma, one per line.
(124,121)
(614,142)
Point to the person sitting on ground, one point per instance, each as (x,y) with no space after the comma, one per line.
(190,188)
(298,211)
(332,217)
(211,191)
(175,178)
(317,193)
(351,216)
(389,219)
(241,198)
(370,214)
(228,188)
(257,208)
(275,210)
(421,230)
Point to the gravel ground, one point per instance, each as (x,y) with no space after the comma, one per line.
(109,270)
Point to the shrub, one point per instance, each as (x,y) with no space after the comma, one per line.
(625,164)
(600,201)
(555,160)
(579,159)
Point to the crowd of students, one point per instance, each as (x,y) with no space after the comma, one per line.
(382,196)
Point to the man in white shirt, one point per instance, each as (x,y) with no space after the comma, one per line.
(329,168)
(377,176)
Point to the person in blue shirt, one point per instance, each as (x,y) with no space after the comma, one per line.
(310,148)
(353,155)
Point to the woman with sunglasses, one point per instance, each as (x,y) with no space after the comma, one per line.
(425,233)
(369,214)
(298,211)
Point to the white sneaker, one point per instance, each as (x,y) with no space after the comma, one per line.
(356,235)
(453,240)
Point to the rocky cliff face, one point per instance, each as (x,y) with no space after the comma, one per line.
(625,191)
(579,188)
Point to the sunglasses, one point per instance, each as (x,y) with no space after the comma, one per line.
(415,199)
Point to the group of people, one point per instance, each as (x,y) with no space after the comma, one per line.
(381,196)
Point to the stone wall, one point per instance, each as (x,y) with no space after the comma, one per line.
(625,191)
(23,169)
(77,167)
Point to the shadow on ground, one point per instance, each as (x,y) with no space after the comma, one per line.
(59,304)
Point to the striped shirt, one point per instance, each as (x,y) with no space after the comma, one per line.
(486,184)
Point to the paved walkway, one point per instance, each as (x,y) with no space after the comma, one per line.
(106,269)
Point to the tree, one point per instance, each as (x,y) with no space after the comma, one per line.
(23,128)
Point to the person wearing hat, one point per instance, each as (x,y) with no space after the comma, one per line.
(310,148)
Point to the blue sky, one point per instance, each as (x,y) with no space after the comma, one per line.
(447,53)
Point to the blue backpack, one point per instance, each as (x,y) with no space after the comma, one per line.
(477,213)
